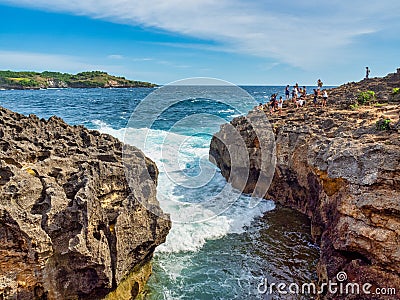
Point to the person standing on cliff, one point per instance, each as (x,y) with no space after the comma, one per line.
(295,93)
(319,84)
(287,92)
(324,98)
(315,100)
(273,103)
(280,105)
(304,92)
(367,71)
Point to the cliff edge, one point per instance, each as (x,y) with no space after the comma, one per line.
(342,169)
(71,227)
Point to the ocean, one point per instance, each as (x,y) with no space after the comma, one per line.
(222,244)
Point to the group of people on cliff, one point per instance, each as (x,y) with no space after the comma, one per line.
(297,97)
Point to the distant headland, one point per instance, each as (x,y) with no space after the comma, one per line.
(24,80)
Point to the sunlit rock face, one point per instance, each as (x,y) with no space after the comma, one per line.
(339,168)
(71,225)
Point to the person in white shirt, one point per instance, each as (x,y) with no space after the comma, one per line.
(324,98)
(280,105)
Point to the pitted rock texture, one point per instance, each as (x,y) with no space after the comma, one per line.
(335,166)
(239,152)
(347,94)
(71,227)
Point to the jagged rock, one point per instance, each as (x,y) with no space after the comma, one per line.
(252,175)
(336,167)
(347,94)
(71,227)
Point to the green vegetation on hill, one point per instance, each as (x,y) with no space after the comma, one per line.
(47,79)
(383,124)
(366,97)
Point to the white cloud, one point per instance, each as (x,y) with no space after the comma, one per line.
(299,33)
(29,61)
(115,56)
(143,59)
(33,61)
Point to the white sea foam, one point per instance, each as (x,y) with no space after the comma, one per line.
(203,212)
(230,110)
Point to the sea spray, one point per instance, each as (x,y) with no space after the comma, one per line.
(227,264)
(191,236)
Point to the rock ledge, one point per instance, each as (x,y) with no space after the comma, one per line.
(335,166)
(70,226)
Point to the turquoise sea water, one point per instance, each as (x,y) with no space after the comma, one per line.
(217,249)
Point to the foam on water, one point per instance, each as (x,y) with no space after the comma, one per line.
(184,203)
(225,255)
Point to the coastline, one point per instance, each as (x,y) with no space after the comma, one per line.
(339,167)
(191,238)
(296,118)
(28,80)
(62,88)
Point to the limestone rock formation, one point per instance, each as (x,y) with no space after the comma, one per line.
(56,83)
(340,169)
(347,94)
(237,149)
(71,227)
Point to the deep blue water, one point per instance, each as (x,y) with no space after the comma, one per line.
(220,246)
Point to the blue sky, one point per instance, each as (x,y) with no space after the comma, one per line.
(261,42)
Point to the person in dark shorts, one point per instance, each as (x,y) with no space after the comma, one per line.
(272,103)
(315,99)
(304,92)
(287,92)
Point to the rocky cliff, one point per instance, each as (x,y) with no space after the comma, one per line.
(347,94)
(340,168)
(71,226)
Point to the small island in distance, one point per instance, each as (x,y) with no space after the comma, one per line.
(23,80)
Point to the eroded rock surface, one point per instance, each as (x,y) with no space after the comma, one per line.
(347,94)
(335,166)
(71,227)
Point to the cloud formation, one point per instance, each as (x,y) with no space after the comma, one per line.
(18,60)
(115,56)
(298,33)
